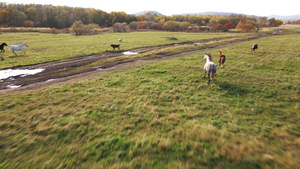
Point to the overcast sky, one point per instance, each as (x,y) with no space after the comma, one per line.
(170,7)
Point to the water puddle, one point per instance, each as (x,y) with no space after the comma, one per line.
(130,53)
(13,86)
(4,74)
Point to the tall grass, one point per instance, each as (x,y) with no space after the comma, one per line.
(162,115)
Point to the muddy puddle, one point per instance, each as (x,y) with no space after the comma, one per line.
(9,73)
(12,73)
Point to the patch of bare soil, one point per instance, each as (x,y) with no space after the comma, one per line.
(72,70)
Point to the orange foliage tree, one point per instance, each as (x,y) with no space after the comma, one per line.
(245,27)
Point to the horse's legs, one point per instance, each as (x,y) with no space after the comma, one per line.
(22,51)
(204,74)
(14,52)
(208,75)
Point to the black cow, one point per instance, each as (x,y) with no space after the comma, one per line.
(115,46)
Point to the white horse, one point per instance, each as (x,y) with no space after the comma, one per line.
(18,47)
(210,68)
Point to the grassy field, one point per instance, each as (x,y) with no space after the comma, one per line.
(162,115)
(56,47)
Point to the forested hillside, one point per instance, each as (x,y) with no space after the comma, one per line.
(35,15)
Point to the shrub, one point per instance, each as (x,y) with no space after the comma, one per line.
(53,30)
(248,27)
(133,25)
(120,27)
(78,28)
(28,23)
(216,27)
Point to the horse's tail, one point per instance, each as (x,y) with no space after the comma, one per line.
(213,67)
(213,70)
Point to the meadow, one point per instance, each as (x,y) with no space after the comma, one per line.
(162,115)
(45,48)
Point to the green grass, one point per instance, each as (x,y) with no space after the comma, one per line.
(162,115)
(56,47)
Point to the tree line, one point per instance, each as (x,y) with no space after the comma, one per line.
(60,17)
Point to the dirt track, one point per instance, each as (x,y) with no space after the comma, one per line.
(63,72)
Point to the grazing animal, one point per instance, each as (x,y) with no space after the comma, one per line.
(115,46)
(221,59)
(254,47)
(18,47)
(2,47)
(209,68)
(120,40)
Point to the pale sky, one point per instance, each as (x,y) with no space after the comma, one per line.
(170,7)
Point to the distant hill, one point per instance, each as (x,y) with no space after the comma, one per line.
(201,13)
(147,12)
(211,13)
(292,17)
(218,13)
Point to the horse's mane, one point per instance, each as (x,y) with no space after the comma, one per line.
(209,55)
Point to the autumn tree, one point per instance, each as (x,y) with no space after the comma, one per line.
(18,18)
(118,17)
(96,16)
(64,17)
(81,15)
(5,16)
(245,27)
(228,25)
(31,14)
(240,26)
(274,22)
(50,16)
